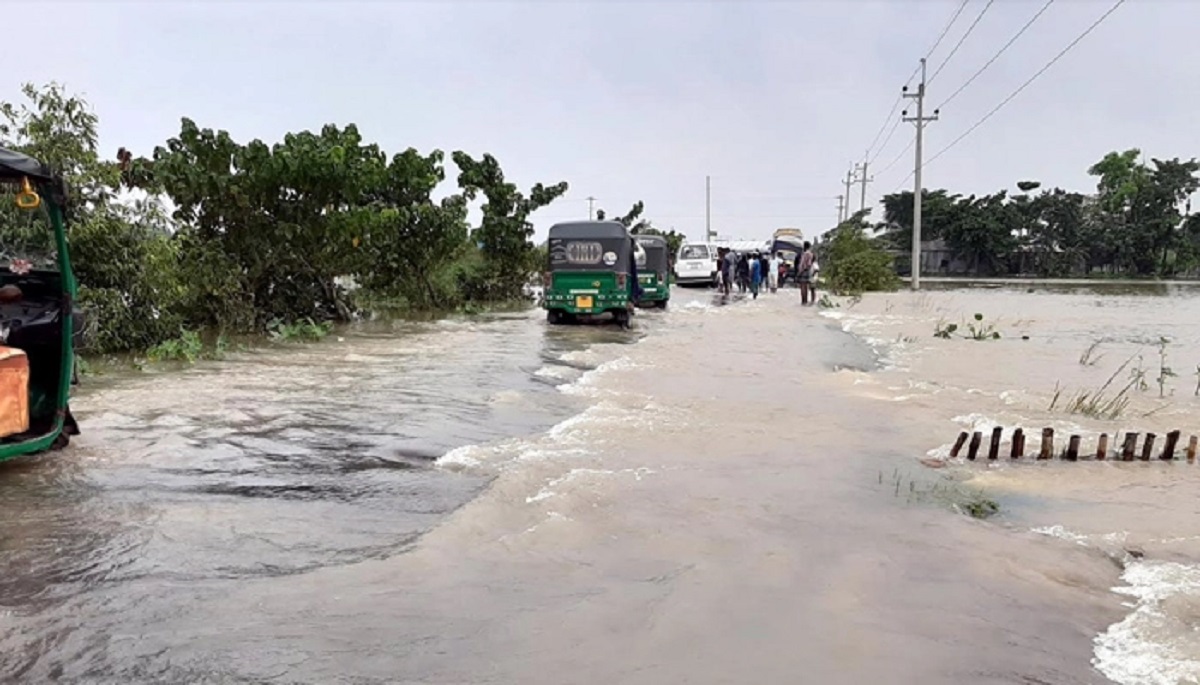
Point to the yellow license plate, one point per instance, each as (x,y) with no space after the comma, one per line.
(583,301)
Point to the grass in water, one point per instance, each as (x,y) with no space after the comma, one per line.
(949,494)
(1099,404)
(1089,356)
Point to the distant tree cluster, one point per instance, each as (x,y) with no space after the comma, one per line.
(1138,223)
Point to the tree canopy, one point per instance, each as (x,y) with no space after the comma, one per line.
(262,233)
(1136,223)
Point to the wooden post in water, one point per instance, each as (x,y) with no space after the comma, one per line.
(1018,444)
(1148,446)
(1102,447)
(1073,448)
(1129,447)
(973,448)
(1047,450)
(1191,453)
(1168,453)
(994,448)
(958,444)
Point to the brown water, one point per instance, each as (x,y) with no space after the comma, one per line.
(726,494)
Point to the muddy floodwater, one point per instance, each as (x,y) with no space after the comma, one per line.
(732,492)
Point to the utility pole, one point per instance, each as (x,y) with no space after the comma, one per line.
(841,207)
(863,179)
(918,189)
(591,207)
(847,182)
(708,234)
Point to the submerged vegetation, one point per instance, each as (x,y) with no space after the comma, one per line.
(945,492)
(976,330)
(1109,401)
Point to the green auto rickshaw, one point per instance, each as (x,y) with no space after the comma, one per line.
(654,272)
(591,272)
(39,318)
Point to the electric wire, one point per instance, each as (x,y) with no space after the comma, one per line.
(960,42)
(998,54)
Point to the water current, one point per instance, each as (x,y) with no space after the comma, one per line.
(731,492)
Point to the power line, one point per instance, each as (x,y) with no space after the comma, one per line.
(962,6)
(885,140)
(946,29)
(897,158)
(961,41)
(997,55)
(1025,85)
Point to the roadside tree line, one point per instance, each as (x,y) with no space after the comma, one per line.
(1138,223)
(262,235)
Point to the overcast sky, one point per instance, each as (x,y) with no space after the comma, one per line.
(640,100)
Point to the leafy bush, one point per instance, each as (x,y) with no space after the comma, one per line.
(854,263)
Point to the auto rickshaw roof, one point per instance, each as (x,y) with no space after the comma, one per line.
(583,230)
(17,165)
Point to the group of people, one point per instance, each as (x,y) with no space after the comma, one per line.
(749,272)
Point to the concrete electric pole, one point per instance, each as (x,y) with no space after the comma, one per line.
(918,189)
(841,207)
(863,179)
(708,234)
(849,180)
(591,208)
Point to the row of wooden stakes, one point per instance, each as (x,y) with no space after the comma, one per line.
(1129,450)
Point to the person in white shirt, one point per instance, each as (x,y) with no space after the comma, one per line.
(773,272)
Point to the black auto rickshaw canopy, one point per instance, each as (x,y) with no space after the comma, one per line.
(657,256)
(15,166)
(590,246)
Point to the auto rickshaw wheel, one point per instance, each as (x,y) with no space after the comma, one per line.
(554,316)
(621,317)
(661,304)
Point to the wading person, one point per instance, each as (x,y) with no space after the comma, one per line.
(730,269)
(773,271)
(756,274)
(804,272)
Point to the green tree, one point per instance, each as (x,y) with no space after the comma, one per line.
(504,234)
(123,254)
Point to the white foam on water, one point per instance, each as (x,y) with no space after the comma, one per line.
(557,373)
(1150,646)
(551,488)
(585,384)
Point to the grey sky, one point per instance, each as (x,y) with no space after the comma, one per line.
(631,101)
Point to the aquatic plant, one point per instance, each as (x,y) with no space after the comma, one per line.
(1089,356)
(982,331)
(1097,404)
(976,330)
(304,329)
(944,330)
(1164,371)
(946,493)
(188,346)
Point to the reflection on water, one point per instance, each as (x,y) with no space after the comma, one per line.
(700,499)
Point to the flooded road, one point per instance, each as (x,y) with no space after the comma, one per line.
(726,494)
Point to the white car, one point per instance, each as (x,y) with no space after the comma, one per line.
(696,264)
